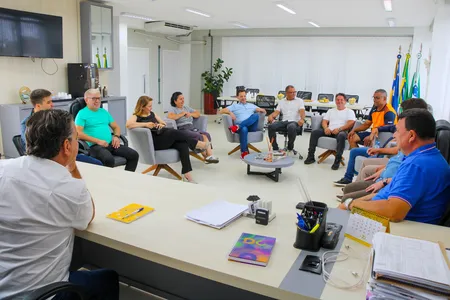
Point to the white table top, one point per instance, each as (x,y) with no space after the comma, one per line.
(355,106)
(167,238)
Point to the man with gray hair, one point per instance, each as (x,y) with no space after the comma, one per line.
(42,201)
(94,126)
(381,114)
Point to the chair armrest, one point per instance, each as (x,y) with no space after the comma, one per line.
(170,123)
(124,140)
(201,123)
(261,121)
(83,146)
(316,122)
(55,288)
(227,122)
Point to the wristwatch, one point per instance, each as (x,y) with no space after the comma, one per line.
(347,203)
(117,136)
(385,182)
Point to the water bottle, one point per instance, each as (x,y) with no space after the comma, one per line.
(377,143)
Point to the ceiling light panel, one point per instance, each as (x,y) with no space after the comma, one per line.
(285,8)
(197,12)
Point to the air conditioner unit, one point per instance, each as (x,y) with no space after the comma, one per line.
(167,28)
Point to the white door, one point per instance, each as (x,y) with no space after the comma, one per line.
(138,76)
(170,76)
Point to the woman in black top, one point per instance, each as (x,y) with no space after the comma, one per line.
(165,138)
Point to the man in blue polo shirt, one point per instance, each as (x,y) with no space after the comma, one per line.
(420,191)
(245,118)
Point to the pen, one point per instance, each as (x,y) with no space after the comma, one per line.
(133,213)
(315,228)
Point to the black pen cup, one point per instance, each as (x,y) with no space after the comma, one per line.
(306,240)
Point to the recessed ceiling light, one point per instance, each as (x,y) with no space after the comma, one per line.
(313,24)
(237,24)
(387,5)
(391,22)
(197,12)
(135,16)
(286,9)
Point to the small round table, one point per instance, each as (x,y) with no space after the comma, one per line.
(257,160)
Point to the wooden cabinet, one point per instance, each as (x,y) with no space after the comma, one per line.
(96,34)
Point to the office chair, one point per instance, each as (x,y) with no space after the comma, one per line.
(252,91)
(284,132)
(253,137)
(306,96)
(359,113)
(282,92)
(50,290)
(266,102)
(77,105)
(322,110)
(17,140)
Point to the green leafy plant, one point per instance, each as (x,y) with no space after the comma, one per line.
(214,81)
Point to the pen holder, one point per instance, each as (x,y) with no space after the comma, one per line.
(312,241)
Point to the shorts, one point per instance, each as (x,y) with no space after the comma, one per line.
(362,135)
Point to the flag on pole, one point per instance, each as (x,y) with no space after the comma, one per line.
(414,91)
(395,91)
(405,79)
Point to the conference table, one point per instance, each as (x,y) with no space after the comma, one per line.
(355,106)
(170,256)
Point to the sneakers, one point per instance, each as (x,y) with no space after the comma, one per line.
(337,162)
(244,154)
(342,182)
(211,160)
(310,160)
(233,128)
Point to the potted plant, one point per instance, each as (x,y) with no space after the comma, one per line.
(214,85)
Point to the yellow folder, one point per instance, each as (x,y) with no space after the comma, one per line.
(130,213)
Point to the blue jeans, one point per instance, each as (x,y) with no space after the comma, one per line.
(360,151)
(248,125)
(99,284)
(88,159)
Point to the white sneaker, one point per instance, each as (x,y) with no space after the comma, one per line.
(211,160)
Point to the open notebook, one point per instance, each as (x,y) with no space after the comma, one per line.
(217,214)
(415,262)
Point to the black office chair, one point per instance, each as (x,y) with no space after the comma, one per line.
(306,96)
(77,105)
(322,110)
(240,88)
(50,290)
(285,134)
(282,92)
(17,140)
(359,113)
(266,102)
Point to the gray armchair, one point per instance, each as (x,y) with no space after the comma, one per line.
(142,141)
(200,123)
(253,137)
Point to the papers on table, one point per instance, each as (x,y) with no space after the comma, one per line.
(217,214)
(408,267)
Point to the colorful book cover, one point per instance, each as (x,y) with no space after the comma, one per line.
(253,249)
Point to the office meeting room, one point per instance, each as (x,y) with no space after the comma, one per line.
(219,150)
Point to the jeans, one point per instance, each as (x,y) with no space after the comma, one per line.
(341,137)
(100,284)
(88,159)
(291,128)
(360,151)
(105,155)
(246,126)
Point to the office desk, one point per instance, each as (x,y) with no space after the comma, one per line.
(180,259)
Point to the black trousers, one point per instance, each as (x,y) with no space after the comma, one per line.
(341,137)
(291,130)
(170,138)
(105,155)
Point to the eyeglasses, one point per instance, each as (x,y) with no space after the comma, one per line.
(95,98)
(378,97)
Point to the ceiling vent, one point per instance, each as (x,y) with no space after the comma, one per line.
(167,28)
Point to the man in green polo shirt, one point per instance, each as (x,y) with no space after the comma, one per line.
(94,126)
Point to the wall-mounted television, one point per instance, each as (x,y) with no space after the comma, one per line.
(30,35)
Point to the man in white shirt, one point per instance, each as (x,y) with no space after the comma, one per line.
(293,111)
(336,122)
(42,201)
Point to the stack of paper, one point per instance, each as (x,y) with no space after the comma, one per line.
(217,214)
(405,268)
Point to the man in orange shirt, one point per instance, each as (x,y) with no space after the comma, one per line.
(381,114)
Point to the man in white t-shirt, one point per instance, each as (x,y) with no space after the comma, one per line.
(336,122)
(293,112)
(42,201)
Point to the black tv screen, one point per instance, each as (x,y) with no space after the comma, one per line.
(30,35)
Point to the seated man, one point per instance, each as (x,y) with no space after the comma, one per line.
(336,122)
(93,126)
(373,152)
(43,200)
(245,118)
(42,100)
(420,190)
(293,111)
(381,114)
